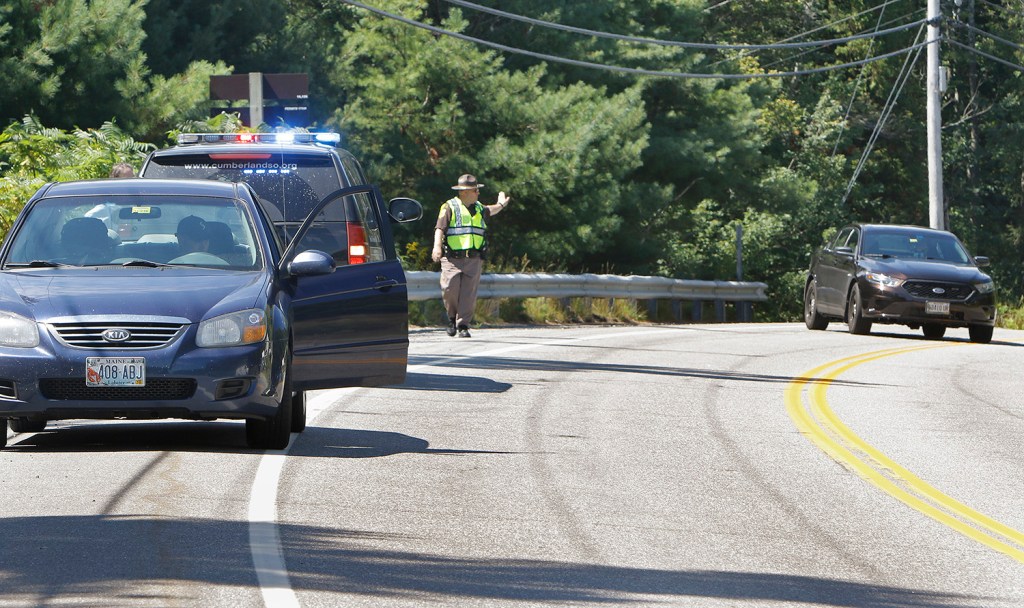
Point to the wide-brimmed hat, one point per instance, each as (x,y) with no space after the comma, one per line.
(467,182)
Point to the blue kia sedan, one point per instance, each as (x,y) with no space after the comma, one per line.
(152,298)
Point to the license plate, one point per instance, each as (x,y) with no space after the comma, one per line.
(115,371)
(936,308)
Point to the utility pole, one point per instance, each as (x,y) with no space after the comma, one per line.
(936,210)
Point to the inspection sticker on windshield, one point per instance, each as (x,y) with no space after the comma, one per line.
(936,308)
(115,371)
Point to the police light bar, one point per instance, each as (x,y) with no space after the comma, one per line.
(252,138)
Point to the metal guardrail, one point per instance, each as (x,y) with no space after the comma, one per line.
(425,285)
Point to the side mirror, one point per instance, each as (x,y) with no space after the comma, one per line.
(844,250)
(982,261)
(311,262)
(405,209)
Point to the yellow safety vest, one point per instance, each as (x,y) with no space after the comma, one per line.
(465,230)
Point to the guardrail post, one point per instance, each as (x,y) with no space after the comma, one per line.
(720,310)
(744,312)
(698,311)
(652,310)
(677,310)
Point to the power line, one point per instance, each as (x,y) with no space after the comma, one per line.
(823,27)
(809,51)
(987,34)
(856,88)
(719,5)
(689,45)
(616,68)
(1002,8)
(890,105)
(971,49)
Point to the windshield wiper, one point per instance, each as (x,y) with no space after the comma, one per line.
(883,256)
(146,263)
(39,264)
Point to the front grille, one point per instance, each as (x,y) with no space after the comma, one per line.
(143,334)
(7,390)
(159,389)
(950,291)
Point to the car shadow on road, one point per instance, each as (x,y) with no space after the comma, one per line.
(221,437)
(551,365)
(895,335)
(325,442)
(451,383)
(94,559)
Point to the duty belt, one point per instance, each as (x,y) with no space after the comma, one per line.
(463,253)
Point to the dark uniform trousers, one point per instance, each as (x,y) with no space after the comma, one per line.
(460,277)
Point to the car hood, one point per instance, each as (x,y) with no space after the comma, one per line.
(924,270)
(193,294)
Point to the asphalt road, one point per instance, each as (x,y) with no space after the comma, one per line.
(699,465)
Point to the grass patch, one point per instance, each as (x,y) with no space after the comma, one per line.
(1011,317)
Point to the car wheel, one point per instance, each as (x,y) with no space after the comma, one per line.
(299,412)
(812,318)
(3,439)
(933,331)
(24,425)
(273,433)
(980,333)
(855,314)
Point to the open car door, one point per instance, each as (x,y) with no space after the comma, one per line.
(350,327)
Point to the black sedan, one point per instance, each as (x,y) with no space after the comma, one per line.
(149,298)
(907,275)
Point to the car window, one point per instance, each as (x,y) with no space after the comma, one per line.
(851,242)
(357,241)
(293,182)
(100,230)
(841,238)
(915,245)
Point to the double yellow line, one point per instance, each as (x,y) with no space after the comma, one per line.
(819,423)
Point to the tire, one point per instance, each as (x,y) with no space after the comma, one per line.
(3,439)
(933,331)
(812,318)
(25,425)
(855,314)
(981,334)
(273,433)
(299,412)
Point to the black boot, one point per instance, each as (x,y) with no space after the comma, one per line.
(451,327)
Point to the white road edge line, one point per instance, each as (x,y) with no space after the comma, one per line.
(264,538)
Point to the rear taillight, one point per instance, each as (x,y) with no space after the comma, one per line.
(357,250)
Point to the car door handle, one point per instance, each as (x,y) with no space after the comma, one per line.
(384,283)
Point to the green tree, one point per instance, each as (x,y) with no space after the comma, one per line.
(32,155)
(424,109)
(80,63)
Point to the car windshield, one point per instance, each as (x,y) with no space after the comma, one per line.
(134,230)
(915,245)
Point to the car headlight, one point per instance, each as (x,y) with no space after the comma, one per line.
(985,287)
(18,331)
(235,329)
(883,279)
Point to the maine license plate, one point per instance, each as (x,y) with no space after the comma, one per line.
(115,371)
(936,308)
